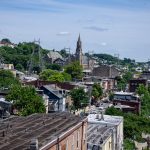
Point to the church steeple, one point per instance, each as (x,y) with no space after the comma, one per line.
(79,50)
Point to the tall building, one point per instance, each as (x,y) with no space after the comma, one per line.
(78,53)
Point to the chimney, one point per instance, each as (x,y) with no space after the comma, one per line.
(34,144)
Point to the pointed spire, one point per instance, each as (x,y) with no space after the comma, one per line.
(79,37)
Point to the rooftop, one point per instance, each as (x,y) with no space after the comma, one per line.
(123,93)
(16,133)
(98,134)
(107,119)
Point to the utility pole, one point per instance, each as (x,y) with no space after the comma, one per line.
(36,51)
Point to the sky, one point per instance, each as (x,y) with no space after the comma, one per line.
(105,26)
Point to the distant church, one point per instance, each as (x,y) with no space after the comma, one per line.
(79,54)
(86,62)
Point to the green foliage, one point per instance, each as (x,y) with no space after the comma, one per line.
(129,144)
(26,100)
(53,75)
(97,91)
(67,77)
(7,79)
(20,54)
(54,67)
(75,70)
(134,125)
(145,99)
(79,97)
(64,53)
(123,81)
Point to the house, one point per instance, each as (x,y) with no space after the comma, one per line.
(53,55)
(127,99)
(100,136)
(4,43)
(56,97)
(44,132)
(109,132)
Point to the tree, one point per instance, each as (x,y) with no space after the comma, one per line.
(145,99)
(64,53)
(79,97)
(123,81)
(26,100)
(54,67)
(7,79)
(67,77)
(75,70)
(53,75)
(97,91)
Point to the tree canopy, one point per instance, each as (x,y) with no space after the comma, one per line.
(97,91)
(75,70)
(26,100)
(134,125)
(21,54)
(123,81)
(144,94)
(79,97)
(53,75)
(7,79)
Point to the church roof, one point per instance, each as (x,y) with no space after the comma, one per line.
(54,55)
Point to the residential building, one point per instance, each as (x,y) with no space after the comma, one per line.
(111,131)
(100,136)
(56,97)
(127,99)
(2,43)
(63,131)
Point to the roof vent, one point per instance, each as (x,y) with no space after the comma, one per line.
(34,144)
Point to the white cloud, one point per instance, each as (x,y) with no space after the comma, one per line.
(63,33)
